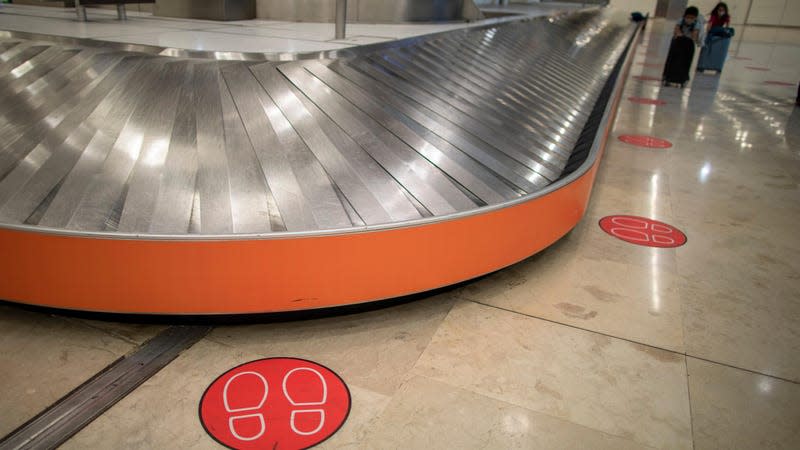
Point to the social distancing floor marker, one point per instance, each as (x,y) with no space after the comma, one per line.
(643,231)
(647,101)
(283,403)
(645,141)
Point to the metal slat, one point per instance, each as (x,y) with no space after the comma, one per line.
(350,183)
(140,200)
(30,69)
(517,174)
(173,208)
(249,191)
(538,108)
(95,139)
(294,208)
(44,167)
(103,200)
(48,93)
(399,203)
(18,55)
(476,178)
(513,120)
(104,126)
(476,127)
(213,183)
(313,180)
(419,176)
(50,129)
(19,91)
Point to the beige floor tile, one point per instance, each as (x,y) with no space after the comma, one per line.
(632,302)
(614,386)
(132,332)
(42,358)
(734,409)
(429,414)
(741,295)
(162,413)
(374,350)
(752,331)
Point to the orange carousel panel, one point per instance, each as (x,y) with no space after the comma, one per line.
(271,275)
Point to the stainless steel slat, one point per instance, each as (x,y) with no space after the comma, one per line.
(350,183)
(516,173)
(278,172)
(102,202)
(148,169)
(213,182)
(55,156)
(419,176)
(314,182)
(64,61)
(176,193)
(476,178)
(66,116)
(513,120)
(100,138)
(18,55)
(399,203)
(249,204)
(463,120)
(539,108)
(49,92)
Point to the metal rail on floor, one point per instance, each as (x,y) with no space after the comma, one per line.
(136,183)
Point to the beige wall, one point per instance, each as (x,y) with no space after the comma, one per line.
(775,12)
(738,8)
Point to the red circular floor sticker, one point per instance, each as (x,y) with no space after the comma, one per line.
(275,403)
(645,141)
(643,231)
(647,101)
(762,69)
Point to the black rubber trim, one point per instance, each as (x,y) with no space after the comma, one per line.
(592,127)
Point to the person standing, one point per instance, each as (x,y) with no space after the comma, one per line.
(719,17)
(681,50)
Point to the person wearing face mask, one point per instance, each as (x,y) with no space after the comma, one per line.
(719,17)
(717,41)
(686,36)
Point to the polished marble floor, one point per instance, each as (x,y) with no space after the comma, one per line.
(593,343)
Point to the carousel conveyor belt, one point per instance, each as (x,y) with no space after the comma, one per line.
(137,181)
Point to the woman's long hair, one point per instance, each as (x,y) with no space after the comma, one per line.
(716,8)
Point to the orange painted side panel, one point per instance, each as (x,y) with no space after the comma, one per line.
(238,276)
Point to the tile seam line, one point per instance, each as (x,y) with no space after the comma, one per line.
(80,323)
(689,396)
(688,355)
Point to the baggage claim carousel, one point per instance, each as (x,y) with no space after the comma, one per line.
(144,180)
